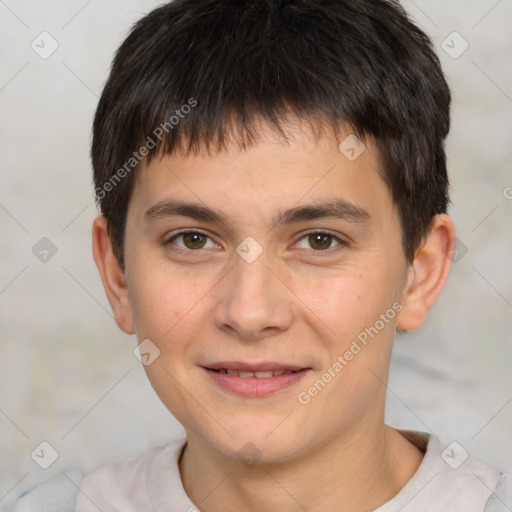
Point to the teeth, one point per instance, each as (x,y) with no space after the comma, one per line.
(263,375)
(259,375)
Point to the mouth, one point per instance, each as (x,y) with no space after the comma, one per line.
(256,380)
(265,374)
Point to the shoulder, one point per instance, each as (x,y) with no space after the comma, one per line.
(123,485)
(501,498)
(120,485)
(58,494)
(447,478)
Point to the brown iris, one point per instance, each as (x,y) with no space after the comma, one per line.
(320,240)
(194,240)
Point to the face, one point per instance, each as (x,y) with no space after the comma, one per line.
(270,281)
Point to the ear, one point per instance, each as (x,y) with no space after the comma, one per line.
(427,273)
(112,275)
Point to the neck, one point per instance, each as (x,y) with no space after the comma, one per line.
(350,472)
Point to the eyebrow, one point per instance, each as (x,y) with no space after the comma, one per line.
(336,208)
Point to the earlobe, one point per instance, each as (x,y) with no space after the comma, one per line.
(112,275)
(427,273)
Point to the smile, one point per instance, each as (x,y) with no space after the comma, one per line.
(255,382)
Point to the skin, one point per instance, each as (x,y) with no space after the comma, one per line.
(300,302)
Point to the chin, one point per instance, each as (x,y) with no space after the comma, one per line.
(259,441)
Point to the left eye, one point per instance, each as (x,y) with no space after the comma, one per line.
(191,240)
(320,241)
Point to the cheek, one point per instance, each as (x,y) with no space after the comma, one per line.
(166,311)
(159,305)
(346,300)
(359,306)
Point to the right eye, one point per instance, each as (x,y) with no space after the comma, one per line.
(190,241)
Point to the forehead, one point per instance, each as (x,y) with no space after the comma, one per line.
(305,167)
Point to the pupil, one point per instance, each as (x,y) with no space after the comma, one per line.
(320,240)
(194,240)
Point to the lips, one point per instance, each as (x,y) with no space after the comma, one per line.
(254,379)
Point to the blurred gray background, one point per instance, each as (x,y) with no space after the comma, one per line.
(68,376)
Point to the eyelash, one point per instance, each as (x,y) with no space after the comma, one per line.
(341,243)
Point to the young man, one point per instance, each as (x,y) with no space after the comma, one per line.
(273,189)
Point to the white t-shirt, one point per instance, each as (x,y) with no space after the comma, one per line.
(446,481)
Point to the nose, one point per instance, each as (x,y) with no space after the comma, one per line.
(253,302)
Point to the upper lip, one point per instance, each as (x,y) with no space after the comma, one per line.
(252,367)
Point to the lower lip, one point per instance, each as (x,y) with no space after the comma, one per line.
(254,387)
